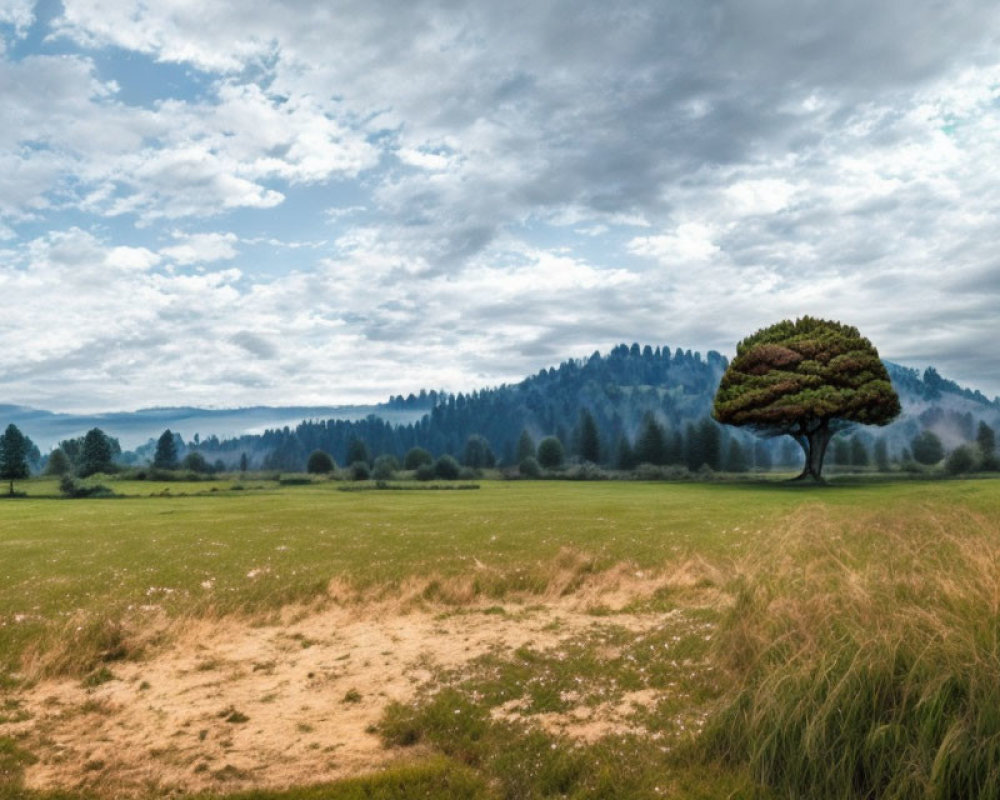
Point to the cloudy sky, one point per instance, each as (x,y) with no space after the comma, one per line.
(244,202)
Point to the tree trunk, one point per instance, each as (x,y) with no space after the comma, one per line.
(813,443)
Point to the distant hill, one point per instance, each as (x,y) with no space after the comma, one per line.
(620,390)
(135,428)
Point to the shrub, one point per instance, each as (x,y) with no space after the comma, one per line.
(927,448)
(195,462)
(416,457)
(385,468)
(530,468)
(446,468)
(961,459)
(320,463)
(70,488)
(425,472)
(551,453)
(360,471)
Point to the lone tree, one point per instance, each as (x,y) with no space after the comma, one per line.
(14,447)
(166,451)
(807,379)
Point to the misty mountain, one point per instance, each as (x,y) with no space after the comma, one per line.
(620,391)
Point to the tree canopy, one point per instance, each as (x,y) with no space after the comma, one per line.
(166,451)
(806,379)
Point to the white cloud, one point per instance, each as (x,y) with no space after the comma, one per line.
(690,243)
(201,248)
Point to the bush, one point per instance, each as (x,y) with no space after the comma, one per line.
(425,472)
(551,453)
(320,463)
(70,488)
(416,457)
(530,468)
(360,471)
(385,468)
(927,448)
(195,462)
(961,459)
(446,468)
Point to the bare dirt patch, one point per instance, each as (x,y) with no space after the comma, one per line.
(231,704)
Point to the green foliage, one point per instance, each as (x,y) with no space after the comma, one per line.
(320,463)
(804,379)
(446,468)
(166,451)
(357,451)
(195,462)
(58,463)
(927,448)
(478,454)
(360,471)
(385,468)
(986,438)
(589,438)
(650,446)
(529,467)
(551,453)
(14,447)
(415,457)
(961,459)
(625,458)
(525,446)
(96,453)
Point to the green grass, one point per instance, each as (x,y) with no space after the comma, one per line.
(864,629)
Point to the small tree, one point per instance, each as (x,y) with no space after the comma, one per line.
(927,448)
(385,468)
(95,453)
(320,463)
(195,462)
(650,446)
(478,453)
(551,453)
(626,459)
(446,468)
(357,450)
(590,439)
(166,451)
(525,446)
(244,462)
(986,440)
(961,459)
(529,467)
(14,447)
(806,379)
(415,457)
(58,463)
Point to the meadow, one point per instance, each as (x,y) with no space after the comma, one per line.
(621,639)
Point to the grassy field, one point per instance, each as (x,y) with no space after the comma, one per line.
(878,601)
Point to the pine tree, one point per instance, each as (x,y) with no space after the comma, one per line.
(736,460)
(95,453)
(14,447)
(590,441)
(525,446)
(881,455)
(649,447)
(166,451)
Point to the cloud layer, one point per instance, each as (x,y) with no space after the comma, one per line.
(327,202)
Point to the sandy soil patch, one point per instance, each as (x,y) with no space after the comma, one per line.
(230,705)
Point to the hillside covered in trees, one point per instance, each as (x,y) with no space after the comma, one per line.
(634,404)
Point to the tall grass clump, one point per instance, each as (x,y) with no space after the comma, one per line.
(865,655)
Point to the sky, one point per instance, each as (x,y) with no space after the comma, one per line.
(253,202)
